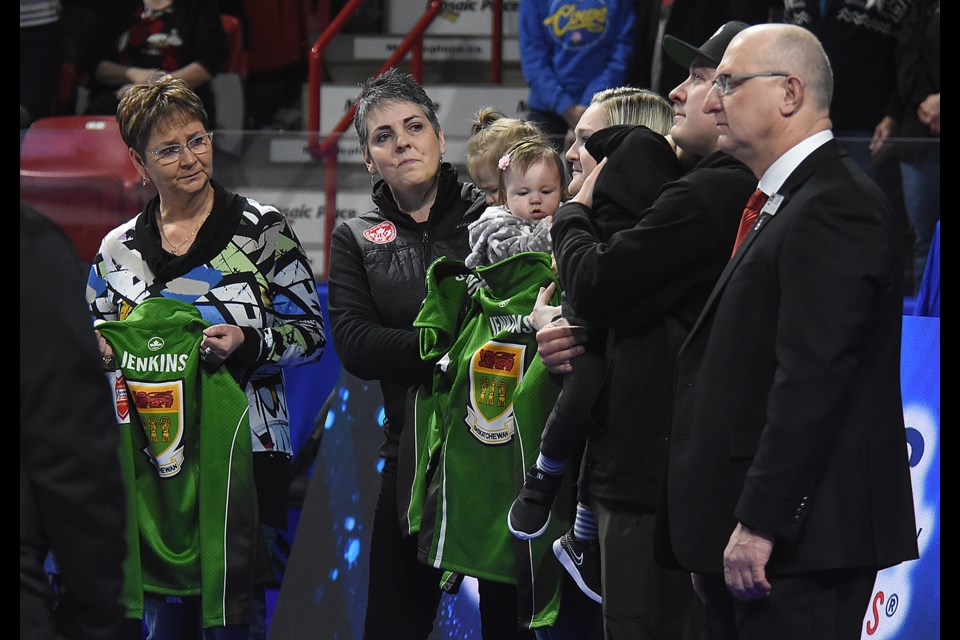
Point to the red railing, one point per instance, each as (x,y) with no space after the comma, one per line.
(413,43)
(316,70)
(496,42)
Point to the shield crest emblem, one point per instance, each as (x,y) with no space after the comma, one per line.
(160,407)
(496,370)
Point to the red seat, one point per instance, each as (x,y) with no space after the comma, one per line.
(76,170)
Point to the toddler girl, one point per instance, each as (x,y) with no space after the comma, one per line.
(530,188)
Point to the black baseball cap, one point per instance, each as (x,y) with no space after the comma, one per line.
(712,50)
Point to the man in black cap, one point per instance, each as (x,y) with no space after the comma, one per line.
(646,286)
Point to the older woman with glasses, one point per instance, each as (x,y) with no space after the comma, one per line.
(237,269)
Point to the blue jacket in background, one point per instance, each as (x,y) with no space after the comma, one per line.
(571,49)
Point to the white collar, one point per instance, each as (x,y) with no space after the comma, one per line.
(774,177)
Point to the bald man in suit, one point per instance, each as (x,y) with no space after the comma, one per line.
(787,485)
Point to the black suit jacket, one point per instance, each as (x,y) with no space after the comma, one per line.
(71,493)
(788,413)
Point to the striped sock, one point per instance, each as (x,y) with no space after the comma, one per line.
(585,525)
(551,465)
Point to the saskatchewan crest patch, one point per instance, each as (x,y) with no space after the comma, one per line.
(160,407)
(496,369)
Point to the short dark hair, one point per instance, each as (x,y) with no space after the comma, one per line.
(391,86)
(144,106)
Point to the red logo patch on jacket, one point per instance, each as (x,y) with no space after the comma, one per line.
(382,233)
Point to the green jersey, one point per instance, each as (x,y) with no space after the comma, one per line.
(477,428)
(186,457)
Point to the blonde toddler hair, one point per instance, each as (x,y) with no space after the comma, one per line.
(492,133)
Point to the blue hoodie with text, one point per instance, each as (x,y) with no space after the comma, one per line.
(571,49)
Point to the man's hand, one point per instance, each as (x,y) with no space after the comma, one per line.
(744,563)
(929,112)
(558,343)
(884,129)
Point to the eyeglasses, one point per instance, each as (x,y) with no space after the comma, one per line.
(199,145)
(723,84)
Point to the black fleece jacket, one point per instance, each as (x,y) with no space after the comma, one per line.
(378,266)
(646,285)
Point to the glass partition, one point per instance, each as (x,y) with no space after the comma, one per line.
(86,184)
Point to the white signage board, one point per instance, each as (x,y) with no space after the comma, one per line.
(305,211)
(458,17)
(447,49)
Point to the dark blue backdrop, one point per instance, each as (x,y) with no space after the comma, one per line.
(324,588)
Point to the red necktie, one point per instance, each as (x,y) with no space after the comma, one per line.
(750,213)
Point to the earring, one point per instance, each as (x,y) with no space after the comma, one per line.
(373,178)
(441,157)
(143,181)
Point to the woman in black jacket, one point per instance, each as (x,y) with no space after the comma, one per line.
(378,265)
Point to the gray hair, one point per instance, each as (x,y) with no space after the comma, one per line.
(391,86)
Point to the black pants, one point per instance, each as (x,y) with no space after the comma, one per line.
(40,58)
(826,605)
(641,599)
(403,593)
(565,431)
